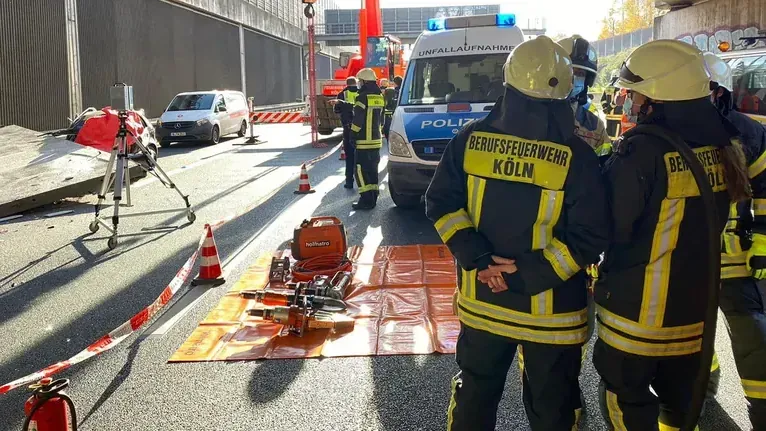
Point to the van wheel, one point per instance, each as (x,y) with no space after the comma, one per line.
(402,200)
(215,136)
(242,130)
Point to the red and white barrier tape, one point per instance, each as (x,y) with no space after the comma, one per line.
(136,322)
(116,336)
(279,117)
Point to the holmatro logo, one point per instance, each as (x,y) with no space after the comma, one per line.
(318,244)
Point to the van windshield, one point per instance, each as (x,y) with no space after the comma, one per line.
(465,78)
(192,102)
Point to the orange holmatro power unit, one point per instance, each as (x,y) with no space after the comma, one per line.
(319,236)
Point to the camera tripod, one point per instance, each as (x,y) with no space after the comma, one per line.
(118,162)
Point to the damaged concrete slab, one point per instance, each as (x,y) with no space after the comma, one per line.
(38,170)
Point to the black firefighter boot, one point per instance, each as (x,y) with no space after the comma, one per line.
(366,202)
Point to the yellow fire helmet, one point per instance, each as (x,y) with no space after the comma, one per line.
(367,74)
(539,68)
(666,70)
(720,71)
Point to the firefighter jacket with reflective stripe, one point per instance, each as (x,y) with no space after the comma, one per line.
(590,128)
(346,110)
(368,117)
(391,97)
(516,185)
(746,218)
(651,289)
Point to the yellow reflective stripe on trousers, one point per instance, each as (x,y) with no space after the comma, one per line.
(475,187)
(360,177)
(558,255)
(452,404)
(759,207)
(647,349)
(657,273)
(757,166)
(754,389)
(575,336)
(561,320)
(449,224)
(371,144)
(736,271)
(650,332)
(714,364)
(615,412)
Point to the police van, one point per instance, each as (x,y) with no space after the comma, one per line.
(454,76)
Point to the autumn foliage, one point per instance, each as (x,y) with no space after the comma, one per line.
(626,16)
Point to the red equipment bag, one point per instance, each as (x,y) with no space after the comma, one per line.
(99,132)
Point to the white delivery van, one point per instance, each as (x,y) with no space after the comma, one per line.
(454,76)
(203,116)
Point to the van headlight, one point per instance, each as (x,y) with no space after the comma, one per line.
(397,146)
(202,121)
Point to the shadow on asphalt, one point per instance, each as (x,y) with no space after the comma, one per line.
(715,418)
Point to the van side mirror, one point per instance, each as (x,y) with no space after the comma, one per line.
(221,109)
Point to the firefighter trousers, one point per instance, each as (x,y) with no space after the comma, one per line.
(550,388)
(387,124)
(349,149)
(367,175)
(742,304)
(625,398)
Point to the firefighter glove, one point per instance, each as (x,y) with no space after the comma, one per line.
(756,257)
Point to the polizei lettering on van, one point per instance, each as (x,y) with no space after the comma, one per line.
(318,244)
(681,182)
(451,122)
(510,158)
(465,48)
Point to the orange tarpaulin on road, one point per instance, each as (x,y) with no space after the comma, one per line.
(401,300)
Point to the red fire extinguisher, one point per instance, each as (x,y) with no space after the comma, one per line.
(49,408)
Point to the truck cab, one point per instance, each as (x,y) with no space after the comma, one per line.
(454,76)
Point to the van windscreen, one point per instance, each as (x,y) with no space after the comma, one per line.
(192,102)
(463,79)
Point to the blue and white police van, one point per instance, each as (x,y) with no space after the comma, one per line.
(454,76)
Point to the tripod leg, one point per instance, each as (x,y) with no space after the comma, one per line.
(118,183)
(107,181)
(127,183)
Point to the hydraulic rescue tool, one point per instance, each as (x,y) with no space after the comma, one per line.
(295,297)
(300,318)
(335,287)
(50,408)
(280,270)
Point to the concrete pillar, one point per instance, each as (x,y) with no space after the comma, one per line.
(242,66)
(73,58)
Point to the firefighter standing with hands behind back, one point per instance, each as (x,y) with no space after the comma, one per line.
(346,111)
(366,133)
(518,199)
(651,311)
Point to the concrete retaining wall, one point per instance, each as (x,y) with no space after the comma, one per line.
(709,23)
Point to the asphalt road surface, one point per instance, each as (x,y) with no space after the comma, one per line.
(61,289)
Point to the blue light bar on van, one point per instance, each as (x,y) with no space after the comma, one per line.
(495,20)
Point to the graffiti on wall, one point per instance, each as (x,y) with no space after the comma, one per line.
(707,41)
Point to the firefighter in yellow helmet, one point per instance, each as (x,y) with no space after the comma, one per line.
(744,237)
(366,129)
(518,199)
(588,125)
(651,310)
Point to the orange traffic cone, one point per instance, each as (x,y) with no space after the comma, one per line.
(304,187)
(342,153)
(210,263)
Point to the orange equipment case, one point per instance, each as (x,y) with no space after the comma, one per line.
(318,236)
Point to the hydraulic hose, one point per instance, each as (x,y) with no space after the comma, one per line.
(713,264)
